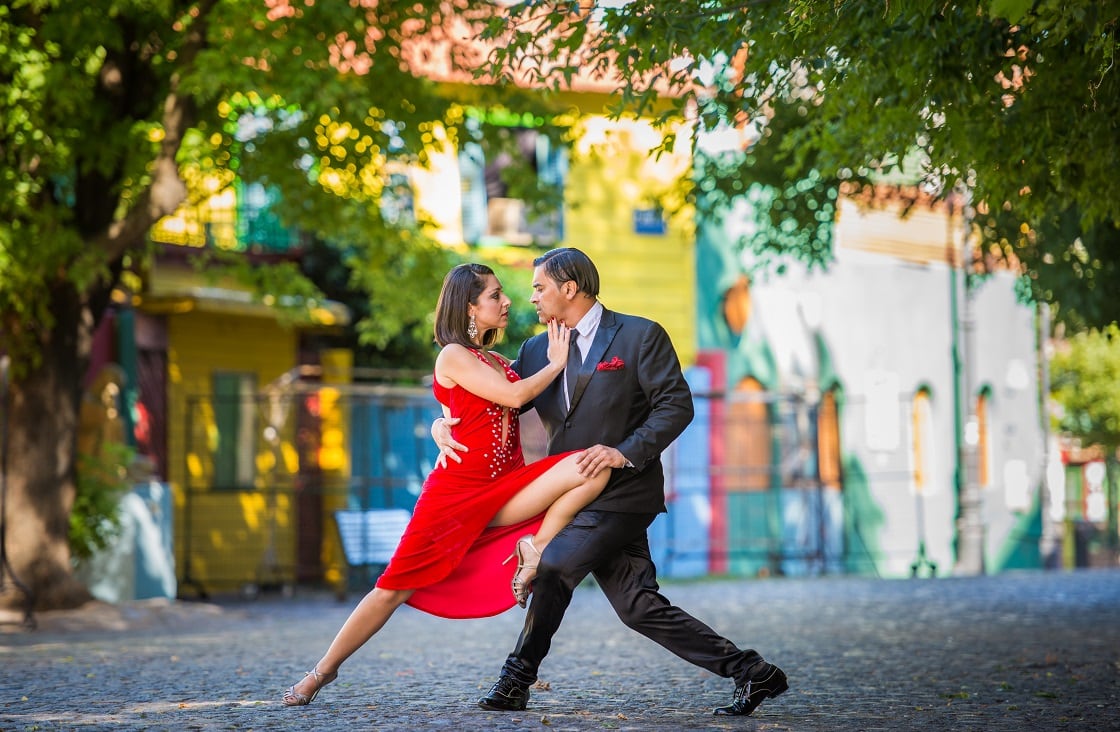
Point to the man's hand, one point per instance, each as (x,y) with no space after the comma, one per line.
(598,457)
(448,447)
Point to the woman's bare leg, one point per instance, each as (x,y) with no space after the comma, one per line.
(367,618)
(559,493)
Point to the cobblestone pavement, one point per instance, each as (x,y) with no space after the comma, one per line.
(1014,652)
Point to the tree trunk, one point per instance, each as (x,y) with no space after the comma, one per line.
(43,414)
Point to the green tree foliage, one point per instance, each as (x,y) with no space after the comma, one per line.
(111,113)
(1085,371)
(104,103)
(1016,102)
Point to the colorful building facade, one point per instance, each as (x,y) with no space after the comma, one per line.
(863,399)
(833,406)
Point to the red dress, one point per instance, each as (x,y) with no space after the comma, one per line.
(447,554)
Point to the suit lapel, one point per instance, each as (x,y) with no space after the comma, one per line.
(608,327)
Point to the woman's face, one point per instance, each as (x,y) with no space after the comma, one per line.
(492,309)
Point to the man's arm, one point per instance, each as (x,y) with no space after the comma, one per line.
(671,410)
(448,446)
(670,399)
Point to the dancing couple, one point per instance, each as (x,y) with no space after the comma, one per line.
(619,402)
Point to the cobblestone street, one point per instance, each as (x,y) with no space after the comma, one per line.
(1021,651)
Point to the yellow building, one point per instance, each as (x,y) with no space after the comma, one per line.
(215,417)
(622,205)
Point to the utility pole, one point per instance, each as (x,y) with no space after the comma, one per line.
(970,509)
(1053,482)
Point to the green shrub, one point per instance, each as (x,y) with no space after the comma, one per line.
(102,479)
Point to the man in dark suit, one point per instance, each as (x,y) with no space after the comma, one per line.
(623,405)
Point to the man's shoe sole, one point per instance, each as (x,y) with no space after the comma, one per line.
(498,708)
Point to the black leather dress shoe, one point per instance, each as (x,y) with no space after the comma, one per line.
(766,684)
(506,695)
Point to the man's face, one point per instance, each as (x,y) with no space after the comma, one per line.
(548,297)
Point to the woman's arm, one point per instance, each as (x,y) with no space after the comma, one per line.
(455,364)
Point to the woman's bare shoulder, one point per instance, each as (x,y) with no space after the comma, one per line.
(452,358)
(453,351)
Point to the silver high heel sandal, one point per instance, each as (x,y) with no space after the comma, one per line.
(520,584)
(292,698)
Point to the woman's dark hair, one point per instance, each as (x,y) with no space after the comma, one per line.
(461,287)
(570,264)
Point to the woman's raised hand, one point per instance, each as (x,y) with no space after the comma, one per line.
(558,338)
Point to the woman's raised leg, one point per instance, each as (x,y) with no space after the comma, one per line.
(560,493)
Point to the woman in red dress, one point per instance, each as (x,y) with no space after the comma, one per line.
(470,514)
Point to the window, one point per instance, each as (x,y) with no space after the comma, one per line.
(737,305)
(235,419)
(921,443)
(984,443)
(749,449)
(512,182)
(397,207)
(258,226)
(828,440)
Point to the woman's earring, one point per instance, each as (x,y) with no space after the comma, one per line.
(472,329)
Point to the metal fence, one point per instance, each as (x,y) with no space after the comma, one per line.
(747,494)
(264,472)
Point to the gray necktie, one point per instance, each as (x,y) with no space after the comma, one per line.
(575,360)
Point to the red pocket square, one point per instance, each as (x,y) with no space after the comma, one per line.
(615,364)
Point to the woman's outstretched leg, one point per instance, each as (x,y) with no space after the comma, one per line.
(367,618)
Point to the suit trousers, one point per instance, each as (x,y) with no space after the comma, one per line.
(613,546)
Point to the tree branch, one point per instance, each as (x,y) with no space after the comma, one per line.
(166,190)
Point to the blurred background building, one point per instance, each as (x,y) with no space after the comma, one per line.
(867,417)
